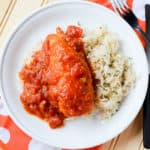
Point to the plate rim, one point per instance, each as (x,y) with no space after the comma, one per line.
(12,34)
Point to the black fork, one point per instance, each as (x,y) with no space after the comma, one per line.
(125,12)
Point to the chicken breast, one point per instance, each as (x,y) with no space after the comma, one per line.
(69,76)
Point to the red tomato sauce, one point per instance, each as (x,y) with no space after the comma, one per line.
(57,83)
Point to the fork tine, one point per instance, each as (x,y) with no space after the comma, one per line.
(118,7)
(123,5)
(114,7)
(126,5)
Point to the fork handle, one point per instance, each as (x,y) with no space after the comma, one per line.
(145,36)
(146,119)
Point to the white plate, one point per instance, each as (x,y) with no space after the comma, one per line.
(79,133)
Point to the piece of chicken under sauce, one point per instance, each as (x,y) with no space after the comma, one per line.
(57,83)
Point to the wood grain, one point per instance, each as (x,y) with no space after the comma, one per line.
(11,13)
(22,9)
(3,8)
(6,12)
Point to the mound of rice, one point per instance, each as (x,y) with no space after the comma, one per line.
(110,67)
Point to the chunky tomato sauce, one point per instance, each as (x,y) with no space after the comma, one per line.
(57,83)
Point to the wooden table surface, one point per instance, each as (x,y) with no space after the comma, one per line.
(11,13)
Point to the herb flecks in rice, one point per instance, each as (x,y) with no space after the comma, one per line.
(111,67)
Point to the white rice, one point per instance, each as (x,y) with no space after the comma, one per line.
(110,67)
